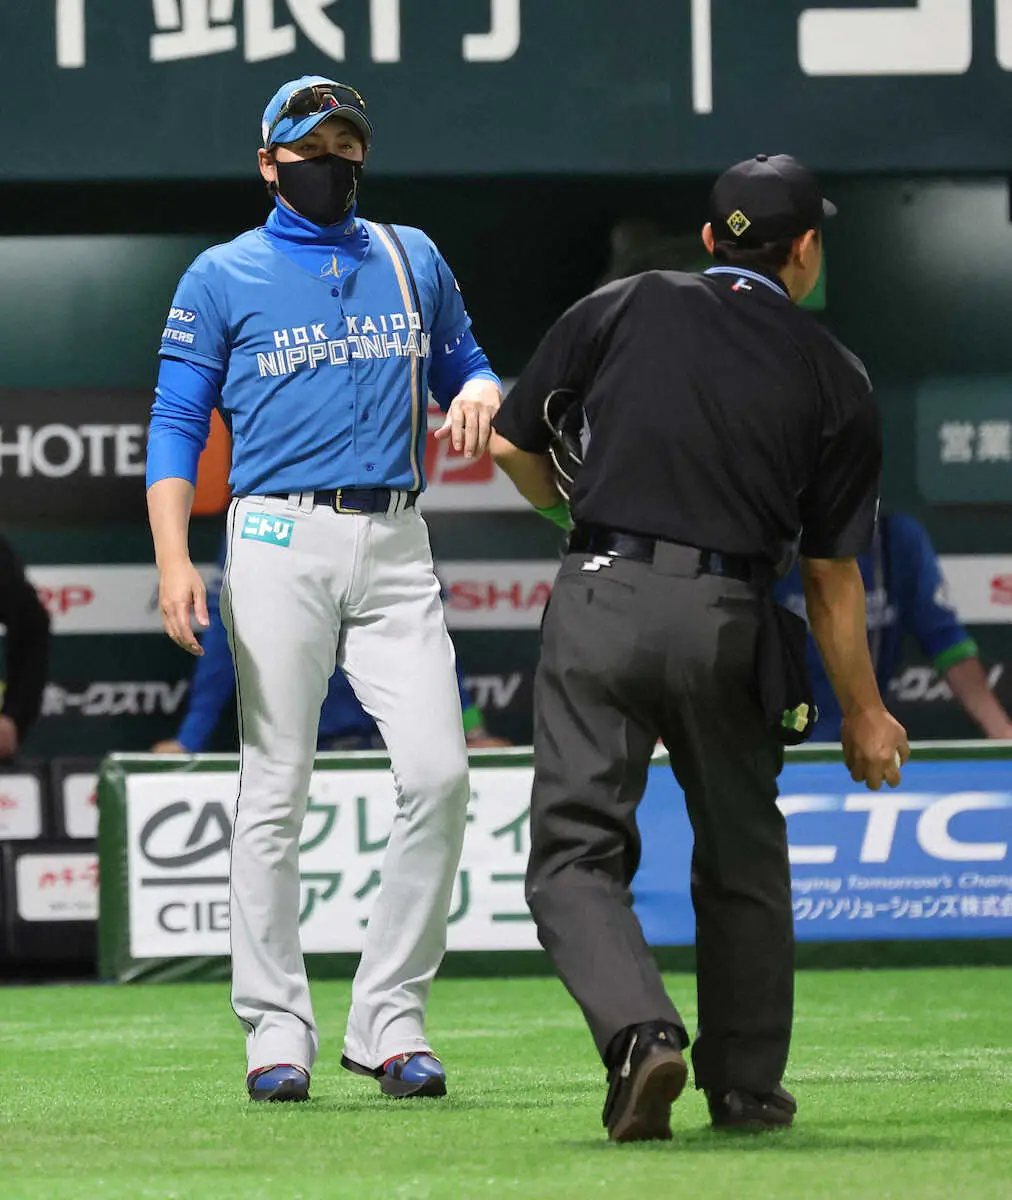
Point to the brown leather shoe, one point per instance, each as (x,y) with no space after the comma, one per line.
(642,1088)
(738,1109)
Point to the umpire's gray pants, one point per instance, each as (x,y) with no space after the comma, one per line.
(359,591)
(631,651)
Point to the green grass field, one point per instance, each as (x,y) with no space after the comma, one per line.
(904,1081)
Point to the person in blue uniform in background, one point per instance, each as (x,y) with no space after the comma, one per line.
(344,723)
(905,595)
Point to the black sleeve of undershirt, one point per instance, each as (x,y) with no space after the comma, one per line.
(26,644)
(840,506)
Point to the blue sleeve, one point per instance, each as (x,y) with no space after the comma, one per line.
(195,329)
(180,418)
(212,684)
(470,712)
(450,371)
(465,696)
(925,610)
(456,355)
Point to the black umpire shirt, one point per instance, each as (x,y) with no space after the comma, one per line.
(721,415)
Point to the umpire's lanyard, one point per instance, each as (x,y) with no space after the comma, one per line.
(743,273)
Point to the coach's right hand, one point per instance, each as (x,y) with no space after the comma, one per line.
(469,418)
(875,746)
(180,592)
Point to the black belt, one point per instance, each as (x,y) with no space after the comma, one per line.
(597,540)
(356,499)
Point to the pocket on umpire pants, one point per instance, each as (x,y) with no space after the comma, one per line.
(591,619)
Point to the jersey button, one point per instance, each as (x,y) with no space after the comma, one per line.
(335,291)
(370,466)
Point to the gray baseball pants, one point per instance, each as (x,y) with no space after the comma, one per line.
(304,588)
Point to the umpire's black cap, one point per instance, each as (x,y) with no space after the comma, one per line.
(766,199)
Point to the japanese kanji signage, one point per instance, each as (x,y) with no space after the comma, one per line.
(175,88)
(20,806)
(964,440)
(931,859)
(928,860)
(179,828)
(979,587)
(57,887)
(79,804)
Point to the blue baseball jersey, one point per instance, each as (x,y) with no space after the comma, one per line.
(319,348)
(906,594)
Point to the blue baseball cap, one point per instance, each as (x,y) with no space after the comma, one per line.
(300,105)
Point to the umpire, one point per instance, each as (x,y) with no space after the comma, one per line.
(727,431)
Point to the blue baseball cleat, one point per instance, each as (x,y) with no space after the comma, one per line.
(282,1081)
(416,1074)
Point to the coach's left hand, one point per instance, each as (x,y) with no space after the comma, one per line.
(469,418)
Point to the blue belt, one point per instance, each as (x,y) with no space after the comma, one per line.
(357,499)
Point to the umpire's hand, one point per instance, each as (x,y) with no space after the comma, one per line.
(180,592)
(469,418)
(875,746)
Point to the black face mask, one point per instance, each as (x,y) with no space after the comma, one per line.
(322,189)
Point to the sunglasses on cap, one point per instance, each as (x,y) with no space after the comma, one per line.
(317,98)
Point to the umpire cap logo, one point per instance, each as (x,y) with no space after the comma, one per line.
(737,222)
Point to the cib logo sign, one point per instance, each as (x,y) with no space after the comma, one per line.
(183,872)
(938,828)
(179,867)
(181,835)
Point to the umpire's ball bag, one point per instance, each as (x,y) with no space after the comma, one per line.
(785,687)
